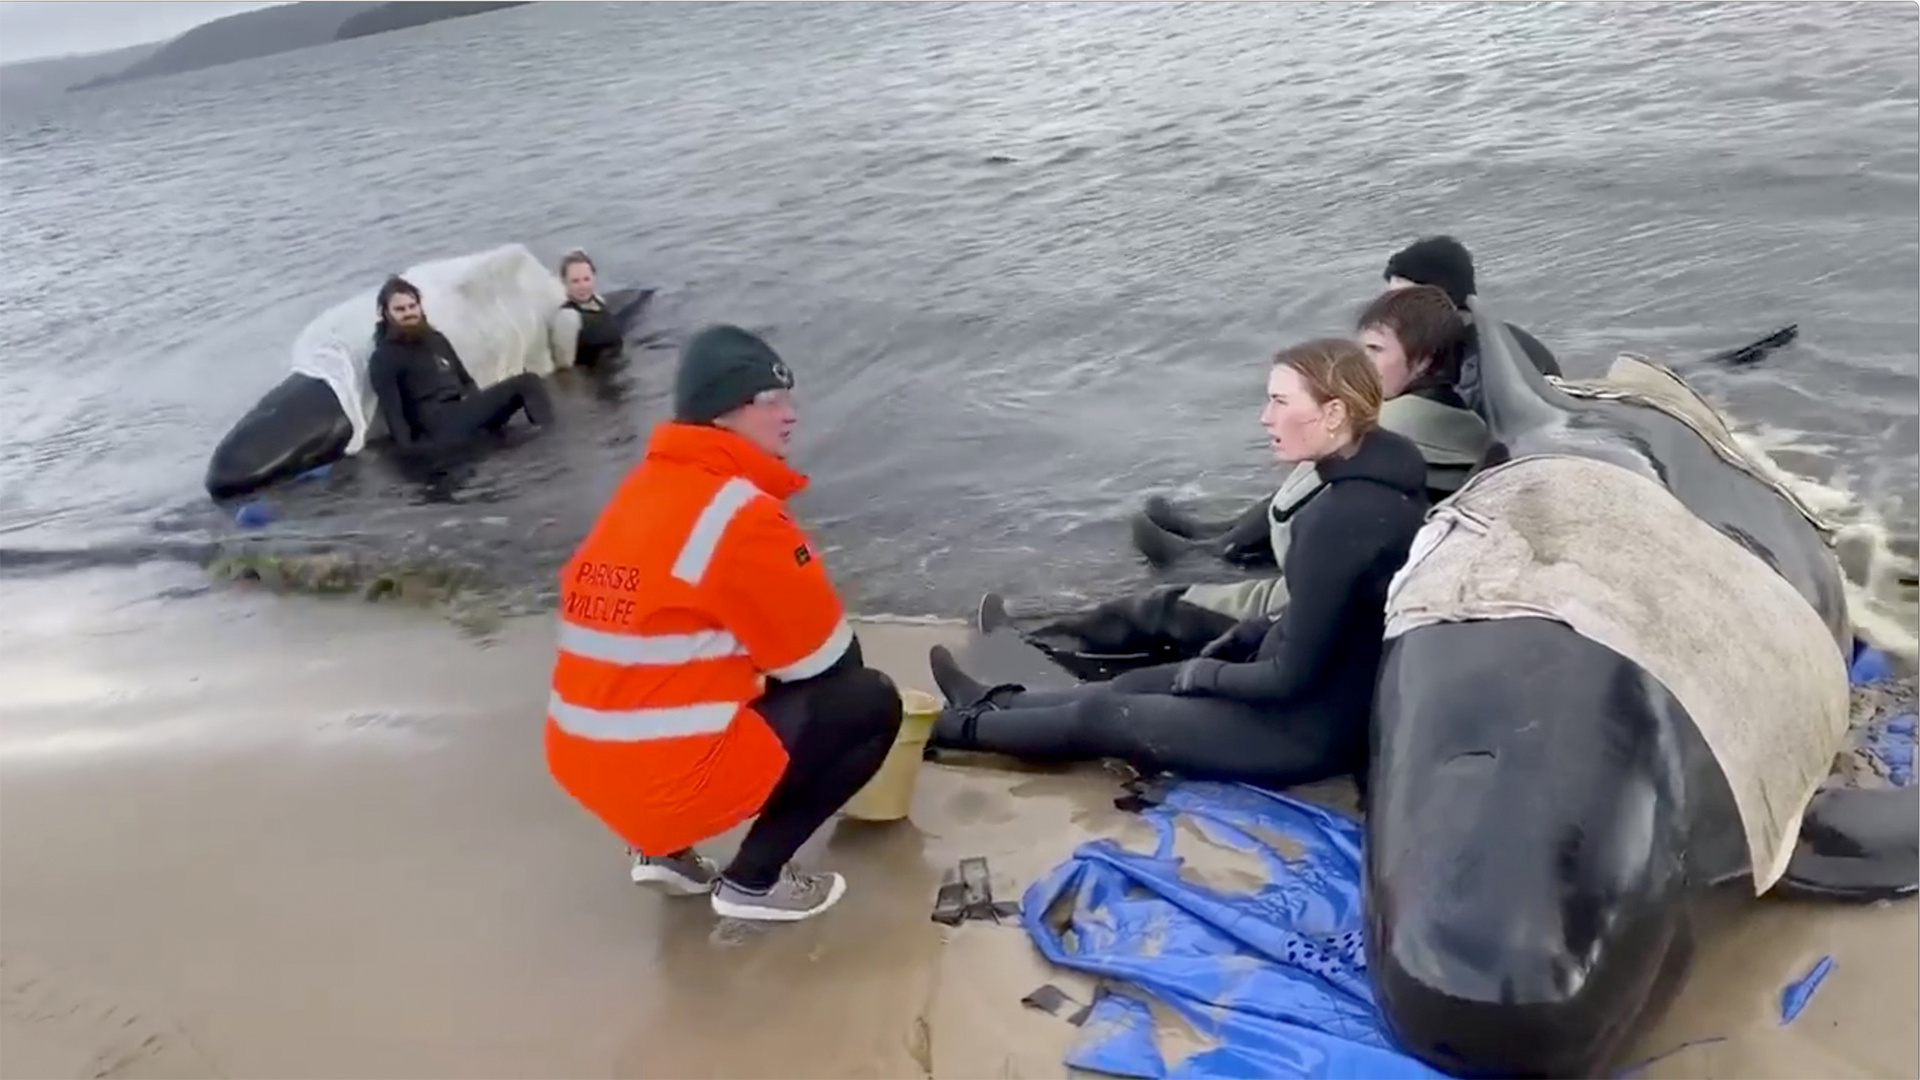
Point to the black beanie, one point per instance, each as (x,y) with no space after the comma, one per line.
(1440,261)
(722,368)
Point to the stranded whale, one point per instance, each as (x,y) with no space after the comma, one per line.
(501,308)
(1615,674)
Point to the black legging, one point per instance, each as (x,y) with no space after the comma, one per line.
(1163,534)
(490,409)
(1138,719)
(837,728)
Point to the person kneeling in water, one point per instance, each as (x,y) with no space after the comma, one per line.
(600,336)
(1279,703)
(706,669)
(426,395)
(1412,337)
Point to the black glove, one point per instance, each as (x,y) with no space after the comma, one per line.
(1241,642)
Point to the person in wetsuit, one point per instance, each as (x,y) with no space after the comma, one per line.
(1445,263)
(1277,702)
(426,396)
(600,335)
(1164,534)
(1412,337)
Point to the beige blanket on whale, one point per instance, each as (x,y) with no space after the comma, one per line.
(1641,381)
(1616,557)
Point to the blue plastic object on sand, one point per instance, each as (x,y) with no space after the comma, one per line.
(1272,980)
(1887,739)
(253,515)
(1800,991)
(1869,665)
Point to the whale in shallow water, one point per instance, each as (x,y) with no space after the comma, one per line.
(1545,813)
(300,425)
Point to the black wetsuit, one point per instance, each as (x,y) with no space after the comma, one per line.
(1297,710)
(600,336)
(428,399)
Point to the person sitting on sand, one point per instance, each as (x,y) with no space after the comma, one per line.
(600,336)
(1412,337)
(426,396)
(706,670)
(1163,534)
(1277,702)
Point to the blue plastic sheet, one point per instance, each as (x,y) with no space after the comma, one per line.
(1888,740)
(1272,980)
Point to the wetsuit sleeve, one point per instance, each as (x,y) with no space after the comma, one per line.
(384,374)
(1327,562)
(771,590)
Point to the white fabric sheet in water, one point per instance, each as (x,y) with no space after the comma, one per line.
(1618,558)
(501,309)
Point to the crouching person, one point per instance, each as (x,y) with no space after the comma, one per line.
(706,671)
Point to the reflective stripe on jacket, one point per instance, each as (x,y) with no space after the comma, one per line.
(692,589)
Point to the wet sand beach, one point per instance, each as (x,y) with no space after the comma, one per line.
(261,837)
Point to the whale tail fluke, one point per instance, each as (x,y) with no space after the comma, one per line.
(1858,844)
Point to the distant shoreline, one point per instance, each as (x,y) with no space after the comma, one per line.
(248,35)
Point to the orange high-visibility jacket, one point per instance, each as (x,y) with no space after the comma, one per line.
(693,587)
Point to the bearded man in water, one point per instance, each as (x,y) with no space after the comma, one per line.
(426,395)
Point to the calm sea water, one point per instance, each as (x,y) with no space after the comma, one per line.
(1026,259)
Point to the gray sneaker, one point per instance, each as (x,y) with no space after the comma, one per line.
(683,873)
(797,895)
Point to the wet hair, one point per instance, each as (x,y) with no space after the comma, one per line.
(1338,369)
(1429,327)
(576,256)
(393,286)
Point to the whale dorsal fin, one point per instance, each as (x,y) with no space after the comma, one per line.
(1514,395)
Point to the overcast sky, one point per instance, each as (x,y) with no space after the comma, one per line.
(30,30)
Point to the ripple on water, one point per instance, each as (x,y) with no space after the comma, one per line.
(1027,260)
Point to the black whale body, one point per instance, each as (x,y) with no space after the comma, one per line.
(298,426)
(1544,813)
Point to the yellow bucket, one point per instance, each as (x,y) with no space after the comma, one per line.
(889,795)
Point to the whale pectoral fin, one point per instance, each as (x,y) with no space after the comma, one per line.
(627,305)
(1006,656)
(1858,844)
(563,337)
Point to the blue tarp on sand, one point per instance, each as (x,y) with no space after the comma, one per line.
(1272,981)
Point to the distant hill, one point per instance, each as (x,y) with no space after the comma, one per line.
(240,37)
(400,15)
(30,81)
(280,29)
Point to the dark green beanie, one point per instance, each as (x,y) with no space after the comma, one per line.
(722,368)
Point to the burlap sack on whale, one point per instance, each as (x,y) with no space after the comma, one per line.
(1641,381)
(1624,563)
